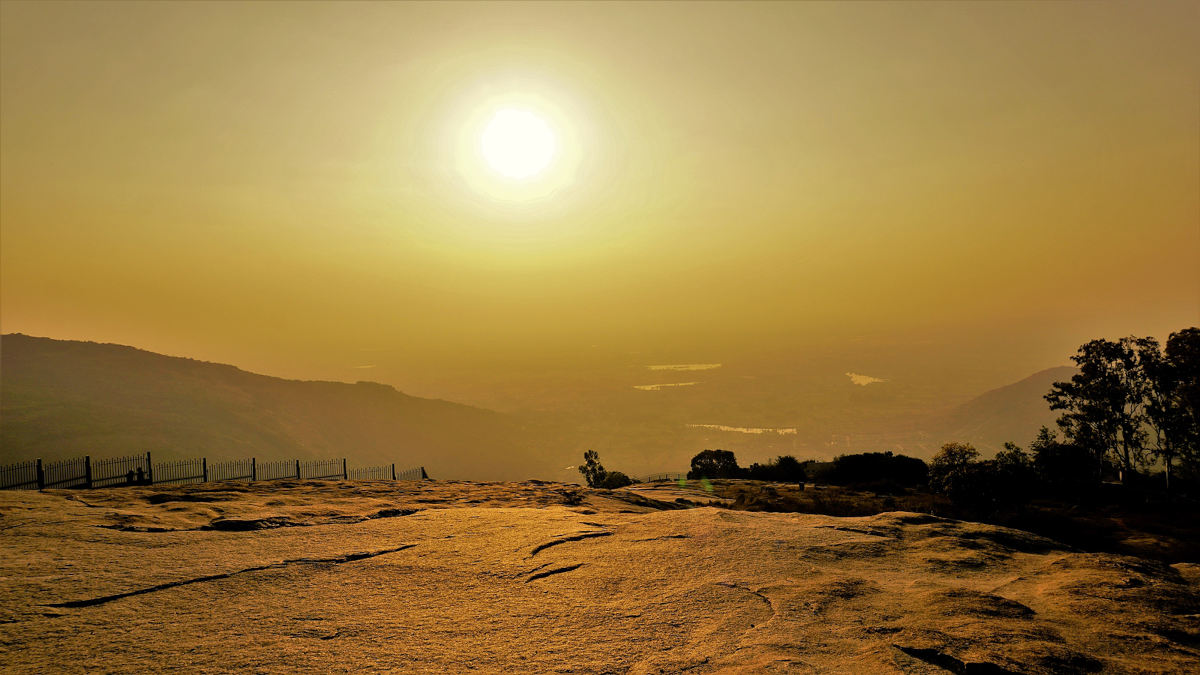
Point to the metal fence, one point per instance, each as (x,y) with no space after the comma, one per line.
(322,468)
(410,474)
(84,472)
(66,473)
(236,469)
(181,471)
(383,472)
(275,470)
(22,475)
(129,470)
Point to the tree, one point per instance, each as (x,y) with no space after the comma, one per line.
(1015,474)
(786,469)
(1183,355)
(879,471)
(950,462)
(1064,469)
(592,470)
(1105,403)
(613,480)
(598,477)
(714,464)
(1173,397)
(1013,456)
(982,487)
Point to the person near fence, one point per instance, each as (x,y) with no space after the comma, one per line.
(129,477)
(141,476)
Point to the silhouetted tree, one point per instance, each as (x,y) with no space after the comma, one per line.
(978,487)
(1173,397)
(714,464)
(613,480)
(1063,469)
(879,470)
(592,470)
(598,477)
(948,463)
(982,487)
(1105,403)
(1015,474)
(786,469)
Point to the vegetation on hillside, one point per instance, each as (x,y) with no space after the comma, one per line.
(1123,476)
(1134,404)
(712,464)
(598,477)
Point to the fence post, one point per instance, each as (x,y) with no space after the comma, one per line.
(149,470)
(345,474)
(393,471)
(87,471)
(297,469)
(424,476)
(204,468)
(41,475)
(253,471)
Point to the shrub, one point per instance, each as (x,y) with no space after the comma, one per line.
(819,472)
(1015,474)
(882,471)
(598,477)
(983,487)
(784,469)
(613,480)
(953,459)
(714,464)
(1064,469)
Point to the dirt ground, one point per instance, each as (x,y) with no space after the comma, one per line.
(450,577)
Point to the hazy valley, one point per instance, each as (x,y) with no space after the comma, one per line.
(63,398)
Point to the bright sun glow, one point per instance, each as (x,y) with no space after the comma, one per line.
(519,148)
(517,144)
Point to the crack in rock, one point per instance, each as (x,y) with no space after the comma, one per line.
(855,530)
(556,570)
(349,557)
(563,540)
(751,591)
(33,522)
(944,660)
(223,524)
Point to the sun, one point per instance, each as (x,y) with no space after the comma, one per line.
(519,149)
(518,144)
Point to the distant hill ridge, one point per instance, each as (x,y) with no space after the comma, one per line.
(66,398)
(62,398)
(1013,412)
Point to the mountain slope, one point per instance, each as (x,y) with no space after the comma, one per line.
(1011,413)
(62,398)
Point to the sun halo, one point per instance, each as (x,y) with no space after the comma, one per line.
(517,144)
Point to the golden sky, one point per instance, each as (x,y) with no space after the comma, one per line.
(282,186)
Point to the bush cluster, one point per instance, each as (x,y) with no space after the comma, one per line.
(598,477)
(723,464)
(878,471)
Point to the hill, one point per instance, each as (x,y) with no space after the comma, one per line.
(1011,413)
(63,398)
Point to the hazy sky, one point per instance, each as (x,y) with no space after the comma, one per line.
(290,187)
